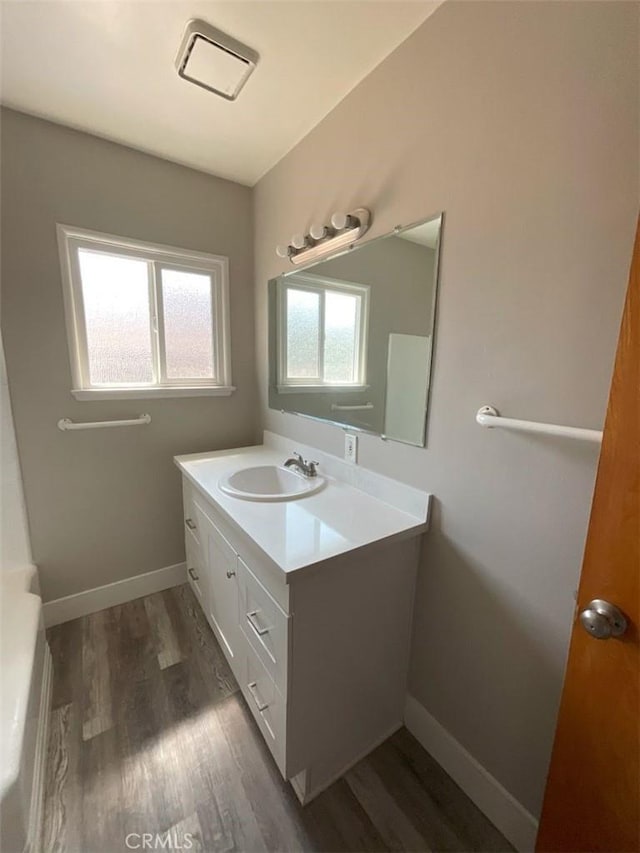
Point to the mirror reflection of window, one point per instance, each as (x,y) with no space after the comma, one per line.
(341,363)
(303,335)
(324,333)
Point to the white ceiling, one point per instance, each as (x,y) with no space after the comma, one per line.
(425,234)
(107,67)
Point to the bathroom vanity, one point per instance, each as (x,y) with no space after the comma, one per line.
(311,600)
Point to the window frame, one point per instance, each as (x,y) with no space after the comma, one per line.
(157,257)
(321,284)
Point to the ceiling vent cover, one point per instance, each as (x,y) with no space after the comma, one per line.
(213,60)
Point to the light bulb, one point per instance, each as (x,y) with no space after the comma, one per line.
(299,241)
(340,221)
(318,232)
(282,251)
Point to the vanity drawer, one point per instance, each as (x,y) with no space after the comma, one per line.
(264,624)
(265,702)
(195,567)
(189,510)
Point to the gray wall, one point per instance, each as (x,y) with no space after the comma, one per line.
(15,550)
(520,121)
(106,504)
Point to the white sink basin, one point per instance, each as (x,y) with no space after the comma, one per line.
(269,483)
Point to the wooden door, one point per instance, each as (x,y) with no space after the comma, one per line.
(592,799)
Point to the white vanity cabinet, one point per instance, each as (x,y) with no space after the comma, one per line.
(220,566)
(320,654)
(212,567)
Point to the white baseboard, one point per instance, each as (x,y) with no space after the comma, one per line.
(91,600)
(502,809)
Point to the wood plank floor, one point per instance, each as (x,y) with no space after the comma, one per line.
(150,734)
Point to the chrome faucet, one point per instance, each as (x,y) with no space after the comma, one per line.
(307,469)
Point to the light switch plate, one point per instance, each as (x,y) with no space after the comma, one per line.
(351,447)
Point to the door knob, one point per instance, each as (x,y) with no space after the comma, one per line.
(603,620)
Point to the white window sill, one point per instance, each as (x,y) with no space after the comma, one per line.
(152,393)
(320,389)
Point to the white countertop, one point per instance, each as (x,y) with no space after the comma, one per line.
(298,533)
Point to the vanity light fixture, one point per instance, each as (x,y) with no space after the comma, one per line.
(340,221)
(300,241)
(213,60)
(344,230)
(319,232)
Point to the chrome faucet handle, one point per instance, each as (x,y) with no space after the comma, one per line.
(298,456)
(311,467)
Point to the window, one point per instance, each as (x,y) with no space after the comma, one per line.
(323,330)
(143,320)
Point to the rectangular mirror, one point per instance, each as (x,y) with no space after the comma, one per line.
(351,337)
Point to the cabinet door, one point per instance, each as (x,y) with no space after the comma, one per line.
(220,563)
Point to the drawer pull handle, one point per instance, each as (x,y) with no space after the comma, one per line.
(193,574)
(230,573)
(251,618)
(190,523)
(253,689)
